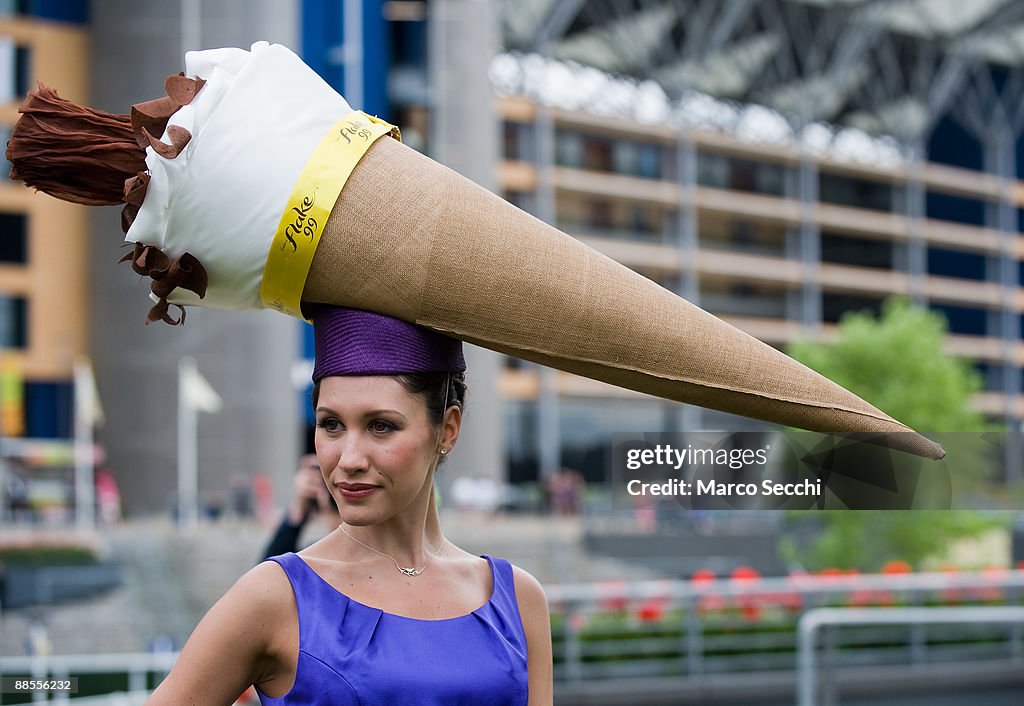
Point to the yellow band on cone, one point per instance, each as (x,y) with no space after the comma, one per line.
(309,205)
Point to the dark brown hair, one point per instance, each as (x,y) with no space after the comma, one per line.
(431,388)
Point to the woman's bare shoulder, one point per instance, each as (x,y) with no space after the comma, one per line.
(237,643)
(529,593)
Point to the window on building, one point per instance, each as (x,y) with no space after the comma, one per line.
(586,427)
(964,320)
(624,157)
(722,172)
(858,252)
(731,298)
(22,71)
(834,305)
(49,410)
(649,161)
(597,154)
(13,238)
(521,441)
(604,218)
(953,263)
(569,149)
(722,232)
(512,148)
(858,193)
(958,209)
(13,322)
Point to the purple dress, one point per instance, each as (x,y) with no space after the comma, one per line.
(350,653)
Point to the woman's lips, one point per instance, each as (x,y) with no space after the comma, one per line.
(355,491)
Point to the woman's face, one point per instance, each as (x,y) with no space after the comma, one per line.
(376,446)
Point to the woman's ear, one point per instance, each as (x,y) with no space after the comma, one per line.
(450,426)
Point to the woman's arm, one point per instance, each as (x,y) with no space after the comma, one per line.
(533,608)
(233,646)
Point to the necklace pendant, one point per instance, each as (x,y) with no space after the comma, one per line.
(411,571)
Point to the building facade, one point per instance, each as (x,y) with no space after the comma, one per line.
(724,222)
(44,295)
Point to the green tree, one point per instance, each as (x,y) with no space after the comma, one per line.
(898,363)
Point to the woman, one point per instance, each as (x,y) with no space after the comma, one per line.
(383,610)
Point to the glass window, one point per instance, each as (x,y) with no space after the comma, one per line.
(13,238)
(952,263)
(859,252)
(22,70)
(13,322)
(521,441)
(625,157)
(833,305)
(597,154)
(49,410)
(569,149)
(963,319)
(587,426)
(859,193)
(513,143)
(649,161)
(724,172)
(731,298)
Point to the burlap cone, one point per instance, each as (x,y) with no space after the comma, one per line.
(411,238)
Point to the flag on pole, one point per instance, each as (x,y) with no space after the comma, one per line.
(88,408)
(198,391)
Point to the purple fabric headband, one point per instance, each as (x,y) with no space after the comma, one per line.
(356,342)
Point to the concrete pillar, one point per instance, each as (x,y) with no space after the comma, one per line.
(463,36)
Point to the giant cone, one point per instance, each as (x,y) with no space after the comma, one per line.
(407,237)
(413,239)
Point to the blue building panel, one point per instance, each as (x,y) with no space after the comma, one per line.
(73,11)
(49,410)
(323,39)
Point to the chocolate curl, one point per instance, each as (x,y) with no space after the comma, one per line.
(179,138)
(159,313)
(73,152)
(182,89)
(151,117)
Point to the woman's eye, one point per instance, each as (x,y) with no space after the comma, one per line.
(380,426)
(329,424)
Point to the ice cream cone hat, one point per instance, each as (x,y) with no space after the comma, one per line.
(254,184)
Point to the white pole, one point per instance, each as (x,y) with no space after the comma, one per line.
(191,26)
(85,456)
(188,515)
(352,41)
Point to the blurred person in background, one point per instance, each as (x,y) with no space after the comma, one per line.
(310,501)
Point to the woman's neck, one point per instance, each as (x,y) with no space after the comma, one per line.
(410,538)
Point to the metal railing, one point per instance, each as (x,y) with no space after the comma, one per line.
(814,620)
(681,629)
(138,666)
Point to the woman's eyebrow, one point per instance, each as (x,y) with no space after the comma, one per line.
(370,413)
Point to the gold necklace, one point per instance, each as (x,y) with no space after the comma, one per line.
(407,570)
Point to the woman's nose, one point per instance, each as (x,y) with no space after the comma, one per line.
(352,453)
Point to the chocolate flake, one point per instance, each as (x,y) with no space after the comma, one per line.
(91,157)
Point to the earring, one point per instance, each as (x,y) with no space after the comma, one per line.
(444,451)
